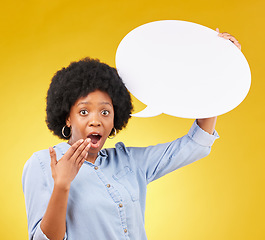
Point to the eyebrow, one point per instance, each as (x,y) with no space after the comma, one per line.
(101,103)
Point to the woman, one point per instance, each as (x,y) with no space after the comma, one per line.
(77,190)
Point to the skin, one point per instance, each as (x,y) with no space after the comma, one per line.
(93,113)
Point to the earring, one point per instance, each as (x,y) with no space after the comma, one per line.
(115,132)
(68,134)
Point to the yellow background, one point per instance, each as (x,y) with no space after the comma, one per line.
(219,197)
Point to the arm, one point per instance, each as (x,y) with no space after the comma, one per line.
(53,223)
(156,161)
(207,124)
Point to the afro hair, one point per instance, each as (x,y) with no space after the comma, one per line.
(78,80)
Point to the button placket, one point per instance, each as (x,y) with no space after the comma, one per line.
(116,198)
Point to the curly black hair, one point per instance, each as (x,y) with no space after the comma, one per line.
(78,80)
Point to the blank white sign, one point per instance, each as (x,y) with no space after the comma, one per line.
(182,69)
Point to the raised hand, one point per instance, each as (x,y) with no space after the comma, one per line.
(65,170)
(229,37)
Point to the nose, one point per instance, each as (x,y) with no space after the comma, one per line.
(94,121)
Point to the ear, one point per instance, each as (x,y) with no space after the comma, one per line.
(68,122)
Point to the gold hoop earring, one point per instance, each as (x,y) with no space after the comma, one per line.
(115,132)
(68,134)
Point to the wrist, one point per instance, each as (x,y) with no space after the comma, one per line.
(62,186)
(207,124)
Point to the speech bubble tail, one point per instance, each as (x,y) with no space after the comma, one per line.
(147,112)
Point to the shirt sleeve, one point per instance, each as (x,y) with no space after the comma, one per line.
(37,194)
(39,235)
(156,161)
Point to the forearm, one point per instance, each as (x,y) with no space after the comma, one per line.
(207,124)
(53,223)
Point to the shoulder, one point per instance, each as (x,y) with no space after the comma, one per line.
(120,146)
(35,169)
(37,158)
(40,160)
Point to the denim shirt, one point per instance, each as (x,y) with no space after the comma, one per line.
(107,199)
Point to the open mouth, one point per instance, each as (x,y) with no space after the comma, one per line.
(95,138)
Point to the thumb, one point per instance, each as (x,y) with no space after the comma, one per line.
(53,156)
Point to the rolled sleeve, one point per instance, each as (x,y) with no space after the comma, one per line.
(201,137)
(39,235)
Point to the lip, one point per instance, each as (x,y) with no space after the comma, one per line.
(95,145)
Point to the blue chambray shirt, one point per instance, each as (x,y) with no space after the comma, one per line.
(107,199)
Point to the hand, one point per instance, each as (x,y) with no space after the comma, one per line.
(65,170)
(229,37)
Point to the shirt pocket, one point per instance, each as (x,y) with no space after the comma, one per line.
(127,178)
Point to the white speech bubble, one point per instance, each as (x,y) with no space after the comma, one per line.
(182,69)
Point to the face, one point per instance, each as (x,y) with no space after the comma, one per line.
(92,117)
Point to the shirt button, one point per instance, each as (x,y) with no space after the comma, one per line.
(96,168)
(120,205)
(125,230)
(108,185)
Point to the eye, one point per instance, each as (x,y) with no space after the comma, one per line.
(105,112)
(83,112)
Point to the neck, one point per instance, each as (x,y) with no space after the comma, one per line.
(91,157)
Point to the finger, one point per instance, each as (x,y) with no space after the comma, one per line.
(81,163)
(80,151)
(234,40)
(53,156)
(228,36)
(70,152)
(238,45)
(84,155)
(231,38)
(223,34)
(217,30)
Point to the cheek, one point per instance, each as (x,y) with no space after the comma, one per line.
(112,123)
(75,132)
(109,125)
(78,127)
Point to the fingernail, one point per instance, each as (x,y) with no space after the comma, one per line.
(50,149)
(81,140)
